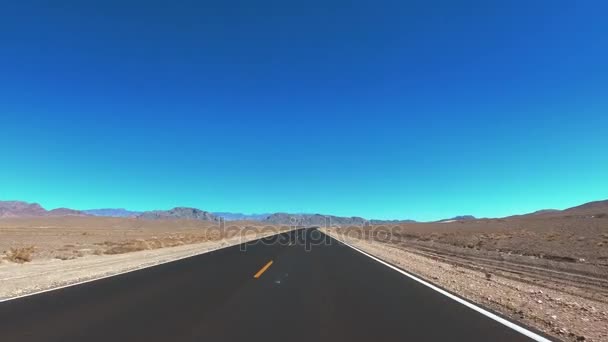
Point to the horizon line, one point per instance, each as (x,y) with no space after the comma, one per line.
(300,213)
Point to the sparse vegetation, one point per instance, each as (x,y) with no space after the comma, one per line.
(153,243)
(64,257)
(127,248)
(20,254)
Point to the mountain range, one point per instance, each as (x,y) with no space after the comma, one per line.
(313,219)
(459,218)
(24,209)
(179,213)
(241,217)
(10,209)
(595,209)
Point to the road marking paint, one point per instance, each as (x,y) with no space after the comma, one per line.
(520,329)
(263,269)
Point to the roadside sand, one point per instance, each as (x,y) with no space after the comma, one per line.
(20,279)
(72,237)
(67,250)
(559,308)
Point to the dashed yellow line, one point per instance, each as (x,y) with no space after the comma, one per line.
(263,269)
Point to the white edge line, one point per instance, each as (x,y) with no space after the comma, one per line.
(484,312)
(129,271)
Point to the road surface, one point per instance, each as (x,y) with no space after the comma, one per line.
(297,286)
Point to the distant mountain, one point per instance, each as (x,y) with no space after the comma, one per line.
(65,212)
(313,219)
(179,213)
(25,209)
(596,209)
(544,211)
(119,212)
(20,209)
(459,218)
(241,217)
(385,222)
(320,220)
(538,213)
(464,218)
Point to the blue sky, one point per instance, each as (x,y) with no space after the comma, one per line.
(381,109)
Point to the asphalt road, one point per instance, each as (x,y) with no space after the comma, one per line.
(315,289)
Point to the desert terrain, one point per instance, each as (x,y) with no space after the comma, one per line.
(38,253)
(548,270)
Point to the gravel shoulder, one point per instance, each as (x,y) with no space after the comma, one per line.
(564,307)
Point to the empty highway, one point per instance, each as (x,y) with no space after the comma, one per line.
(297,286)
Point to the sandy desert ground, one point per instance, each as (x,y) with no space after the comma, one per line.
(41,253)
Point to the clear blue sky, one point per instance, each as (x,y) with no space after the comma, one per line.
(382,109)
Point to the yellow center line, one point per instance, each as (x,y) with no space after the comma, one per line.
(263,269)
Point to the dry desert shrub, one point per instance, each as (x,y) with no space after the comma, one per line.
(131,246)
(20,254)
(64,257)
